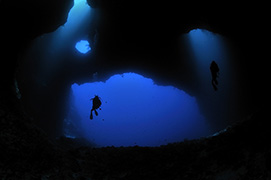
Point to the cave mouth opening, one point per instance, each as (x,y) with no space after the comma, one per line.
(134,111)
(83,46)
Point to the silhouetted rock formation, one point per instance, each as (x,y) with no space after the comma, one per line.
(242,151)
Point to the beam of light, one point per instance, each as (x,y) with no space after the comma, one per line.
(83,46)
(204,47)
(74,29)
(50,49)
(135,111)
(77,17)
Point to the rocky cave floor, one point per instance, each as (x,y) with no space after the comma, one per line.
(242,151)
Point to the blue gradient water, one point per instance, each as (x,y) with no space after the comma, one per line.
(135,111)
(206,47)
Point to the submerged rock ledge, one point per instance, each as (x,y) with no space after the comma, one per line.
(243,151)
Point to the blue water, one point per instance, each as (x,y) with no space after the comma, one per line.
(77,20)
(83,46)
(135,111)
(203,47)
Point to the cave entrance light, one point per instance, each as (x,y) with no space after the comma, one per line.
(204,47)
(83,46)
(135,111)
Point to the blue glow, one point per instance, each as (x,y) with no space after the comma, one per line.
(77,27)
(135,111)
(203,48)
(206,47)
(77,17)
(83,46)
(50,49)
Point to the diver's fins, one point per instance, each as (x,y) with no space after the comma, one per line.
(91,116)
(96,113)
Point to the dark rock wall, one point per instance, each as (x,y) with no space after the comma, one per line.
(241,151)
(21,21)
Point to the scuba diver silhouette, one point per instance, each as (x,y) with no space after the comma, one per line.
(214,71)
(96,103)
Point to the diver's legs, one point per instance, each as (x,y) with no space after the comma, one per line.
(96,113)
(91,115)
(214,84)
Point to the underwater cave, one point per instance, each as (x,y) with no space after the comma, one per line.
(136,109)
(97,89)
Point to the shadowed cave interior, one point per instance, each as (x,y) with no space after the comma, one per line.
(132,117)
(154,81)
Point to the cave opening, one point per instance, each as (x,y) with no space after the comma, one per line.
(134,111)
(83,46)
